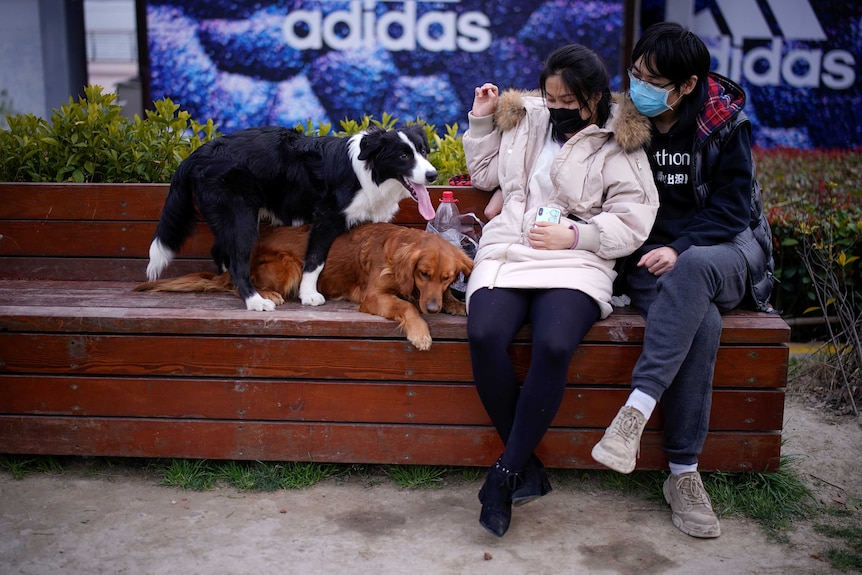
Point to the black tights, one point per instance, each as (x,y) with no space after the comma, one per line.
(559,319)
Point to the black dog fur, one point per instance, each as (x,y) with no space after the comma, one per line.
(271,172)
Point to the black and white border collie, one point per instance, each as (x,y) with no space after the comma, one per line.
(289,178)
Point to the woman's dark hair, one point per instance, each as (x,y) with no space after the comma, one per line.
(584,73)
(670,50)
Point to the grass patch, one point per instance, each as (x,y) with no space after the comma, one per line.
(202,474)
(849,556)
(192,474)
(269,476)
(418,476)
(774,500)
(20,466)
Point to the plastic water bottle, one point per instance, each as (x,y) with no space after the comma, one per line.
(448,217)
(447,223)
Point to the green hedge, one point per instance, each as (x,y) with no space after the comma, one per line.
(813,195)
(89,140)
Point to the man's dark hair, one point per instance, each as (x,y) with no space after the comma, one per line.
(670,50)
(583,72)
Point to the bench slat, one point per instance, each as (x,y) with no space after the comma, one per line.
(347,443)
(112,307)
(84,269)
(92,239)
(391,360)
(584,406)
(143,202)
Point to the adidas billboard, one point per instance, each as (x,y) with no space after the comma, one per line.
(797,60)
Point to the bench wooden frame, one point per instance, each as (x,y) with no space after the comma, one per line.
(89,367)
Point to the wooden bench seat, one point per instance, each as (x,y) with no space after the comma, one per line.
(90,367)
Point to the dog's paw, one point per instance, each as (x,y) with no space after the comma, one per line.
(421,343)
(313,298)
(420,337)
(455,307)
(258,303)
(272,296)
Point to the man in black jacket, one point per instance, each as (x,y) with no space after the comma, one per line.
(709,252)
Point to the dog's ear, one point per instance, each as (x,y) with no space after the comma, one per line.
(465,263)
(371,142)
(401,259)
(417,134)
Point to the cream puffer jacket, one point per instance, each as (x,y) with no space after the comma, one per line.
(601,180)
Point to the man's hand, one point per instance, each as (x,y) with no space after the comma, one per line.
(659,261)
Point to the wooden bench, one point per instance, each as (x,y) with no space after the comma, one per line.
(89,367)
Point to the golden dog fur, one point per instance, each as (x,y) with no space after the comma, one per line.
(391,271)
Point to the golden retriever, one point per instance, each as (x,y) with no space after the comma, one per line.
(391,271)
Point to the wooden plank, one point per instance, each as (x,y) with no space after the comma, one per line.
(743,326)
(112,307)
(263,357)
(83,269)
(86,202)
(347,443)
(92,239)
(143,202)
(354,401)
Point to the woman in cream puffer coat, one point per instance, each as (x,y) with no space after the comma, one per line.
(600,179)
(574,148)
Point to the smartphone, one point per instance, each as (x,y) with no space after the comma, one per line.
(546,214)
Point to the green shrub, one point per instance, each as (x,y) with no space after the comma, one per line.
(805,192)
(446,153)
(89,140)
(5,108)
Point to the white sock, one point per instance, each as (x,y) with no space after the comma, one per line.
(642,402)
(679,468)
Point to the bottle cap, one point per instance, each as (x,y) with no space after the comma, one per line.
(448,196)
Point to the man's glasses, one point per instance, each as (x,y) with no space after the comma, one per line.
(635,73)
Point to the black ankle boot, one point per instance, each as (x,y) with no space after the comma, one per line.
(497,499)
(535,483)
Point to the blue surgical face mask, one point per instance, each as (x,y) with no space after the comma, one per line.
(648,99)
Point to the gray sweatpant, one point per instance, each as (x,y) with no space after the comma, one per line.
(683,326)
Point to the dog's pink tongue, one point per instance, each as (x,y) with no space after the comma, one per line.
(426,210)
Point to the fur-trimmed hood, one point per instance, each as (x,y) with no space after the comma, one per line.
(631,128)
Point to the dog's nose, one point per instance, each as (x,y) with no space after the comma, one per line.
(430,176)
(432,306)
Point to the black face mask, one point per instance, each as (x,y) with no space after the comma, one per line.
(566,121)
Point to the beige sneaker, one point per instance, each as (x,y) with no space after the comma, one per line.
(620,446)
(692,510)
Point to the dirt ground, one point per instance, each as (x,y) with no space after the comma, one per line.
(123,522)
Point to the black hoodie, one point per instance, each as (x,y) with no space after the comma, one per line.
(713,215)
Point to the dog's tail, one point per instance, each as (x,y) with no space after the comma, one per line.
(175,224)
(194,282)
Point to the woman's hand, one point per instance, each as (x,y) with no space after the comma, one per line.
(548,236)
(485,100)
(495,205)
(659,261)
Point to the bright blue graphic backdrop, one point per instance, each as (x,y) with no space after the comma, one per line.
(246,63)
(249,63)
